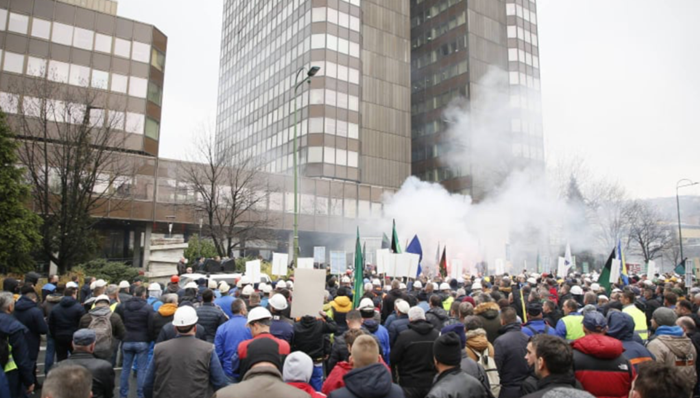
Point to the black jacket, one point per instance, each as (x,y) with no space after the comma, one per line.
(137,315)
(339,350)
(372,381)
(85,292)
(412,355)
(396,327)
(64,318)
(554,381)
(211,317)
(101,370)
(388,303)
(651,306)
(308,336)
(510,349)
(16,337)
(553,317)
(437,317)
(159,320)
(32,317)
(168,332)
(456,383)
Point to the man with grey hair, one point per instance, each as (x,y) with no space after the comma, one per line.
(67,381)
(671,346)
(19,369)
(412,355)
(84,341)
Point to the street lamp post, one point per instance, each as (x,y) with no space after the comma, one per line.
(688,183)
(199,240)
(312,71)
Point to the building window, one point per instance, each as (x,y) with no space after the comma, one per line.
(138,87)
(9,102)
(62,34)
(100,79)
(58,71)
(83,38)
(116,120)
(79,75)
(97,118)
(36,67)
(315,154)
(157,59)
(13,62)
(152,129)
(3,19)
(103,43)
(41,28)
(119,83)
(155,93)
(122,48)
(31,106)
(329,155)
(140,52)
(18,23)
(134,123)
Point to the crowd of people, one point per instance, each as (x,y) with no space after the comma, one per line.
(528,335)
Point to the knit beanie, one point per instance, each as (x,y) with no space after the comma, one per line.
(264,350)
(297,367)
(447,350)
(458,329)
(664,316)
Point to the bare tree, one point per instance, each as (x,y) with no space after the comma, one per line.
(647,232)
(232,194)
(609,212)
(74,157)
(673,251)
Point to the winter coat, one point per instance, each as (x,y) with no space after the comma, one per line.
(511,347)
(553,317)
(263,381)
(412,355)
(101,370)
(137,315)
(489,313)
(309,333)
(553,381)
(473,369)
(437,317)
(16,337)
(64,318)
(32,317)
(283,350)
(397,326)
(538,326)
(382,335)
(226,342)
(332,290)
(224,302)
(651,306)
(673,348)
(51,301)
(163,316)
(477,342)
(168,332)
(339,310)
(600,366)
(621,327)
(211,317)
(335,380)
(306,387)
(282,328)
(372,381)
(118,329)
(388,302)
(85,292)
(339,349)
(456,383)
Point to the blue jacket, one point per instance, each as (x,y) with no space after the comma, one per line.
(32,317)
(16,337)
(64,318)
(224,302)
(540,326)
(282,328)
(228,337)
(621,327)
(382,335)
(396,327)
(137,315)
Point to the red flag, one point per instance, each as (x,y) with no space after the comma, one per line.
(443,262)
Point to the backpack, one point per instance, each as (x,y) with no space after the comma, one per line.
(103,329)
(489,365)
(545,331)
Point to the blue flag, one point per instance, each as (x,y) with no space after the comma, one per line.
(415,248)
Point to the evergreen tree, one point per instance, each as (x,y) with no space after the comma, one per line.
(19,226)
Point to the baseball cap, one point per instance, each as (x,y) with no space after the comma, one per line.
(185,316)
(594,321)
(84,337)
(278,302)
(257,314)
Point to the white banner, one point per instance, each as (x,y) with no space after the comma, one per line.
(279,263)
(615,271)
(651,269)
(562,268)
(382,255)
(500,266)
(252,270)
(457,269)
(338,262)
(309,290)
(305,263)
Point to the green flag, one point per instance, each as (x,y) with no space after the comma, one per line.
(395,246)
(604,278)
(357,296)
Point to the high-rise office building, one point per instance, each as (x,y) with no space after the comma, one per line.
(487,53)
(105,6)
(354,115)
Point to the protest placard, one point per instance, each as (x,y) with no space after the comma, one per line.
(279,263)
(309,290)
(252,270)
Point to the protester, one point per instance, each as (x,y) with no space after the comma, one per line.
(510,348)
(108,325)
(200,375)
(309,335)
(282,327)
(137,316)
(488,311)
(658,380)
(210,316)
(297,371)
(535,323)
(411,355)
(368,378)
(67,381)
(32,317)
(264,379)
(552,359)
(401,321)
(452,381)
(621,326)
(64,320)
(229,336)
(551,313)
(370,322)
(388,301)
(640,320)
(224,302)
(340,306)
(690,330)
(84,341)
(340,349)
(342,365)
(599,364)
(19,369)
(570,327)
(672,347)
(436,315)
(259,320)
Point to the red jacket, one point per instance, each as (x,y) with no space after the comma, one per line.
(307,389)
(243,350)
(601,368)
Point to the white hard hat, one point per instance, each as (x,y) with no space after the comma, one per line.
(278,302)
(185,316)
(290,285)
(92,285)
(532,281)
(477,286)
(267,288)
(191,285)
(576,290)
(153,287)
(102,297)
(239,283)
(444,286)
(417,285)
(602,297)
(72,284)
(595,287)
(345,279)
(261,286)
(366,303)
(648,282)
(402,286)
(248,290)
(376,282)
(212,284)
(615,290)
(245,280)
(281,285)
(436,286)
(368,286)
(224,287)
(257,314)
(100,283)
(402,306)
(124,285)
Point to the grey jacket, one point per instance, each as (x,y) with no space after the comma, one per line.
(211,317)
(456,383)
(264,381)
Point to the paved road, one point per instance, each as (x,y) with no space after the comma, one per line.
(40,372)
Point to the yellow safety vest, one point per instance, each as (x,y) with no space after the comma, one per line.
(640,321)
(10,365)
(574,327)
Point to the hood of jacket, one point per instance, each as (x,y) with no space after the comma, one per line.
(620,326)
(421,327)
(308,321)
(678,345)
(477,340)
(54,298)
(68,301)
(674,331)
(24,304)
(306,387)
(135,304)
(172,288)
(599,346)
(167,309)
(371,325)
(371,381)
(487,310)
(342,304)
(440,313)
(101,311)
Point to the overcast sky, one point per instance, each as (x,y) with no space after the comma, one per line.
(620,83)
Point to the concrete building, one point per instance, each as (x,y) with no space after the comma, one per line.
(354,116)
(455,47)
(105,6)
